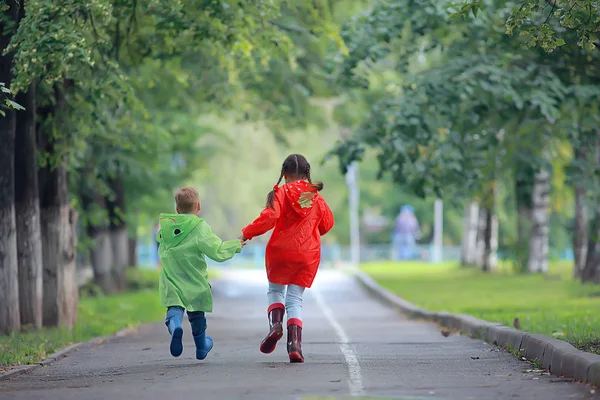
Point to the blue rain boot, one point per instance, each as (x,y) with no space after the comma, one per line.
(176,331)
(204,345)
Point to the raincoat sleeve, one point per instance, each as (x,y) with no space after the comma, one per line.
(327,219)
(265,221)
(213,247)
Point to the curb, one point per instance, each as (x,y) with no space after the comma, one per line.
(557,356)
(58,355)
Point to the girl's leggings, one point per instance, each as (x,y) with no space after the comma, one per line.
(292,298)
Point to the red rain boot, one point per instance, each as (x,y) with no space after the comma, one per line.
(294,342)
(276,312)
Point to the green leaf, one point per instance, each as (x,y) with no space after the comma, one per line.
(13,104)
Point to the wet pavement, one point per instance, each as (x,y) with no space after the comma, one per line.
(353,346)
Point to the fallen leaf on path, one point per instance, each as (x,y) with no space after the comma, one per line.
(535,371)
(445,332)
(474,358)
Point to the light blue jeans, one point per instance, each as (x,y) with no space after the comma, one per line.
(292,298)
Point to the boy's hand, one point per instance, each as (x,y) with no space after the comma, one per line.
(243,240)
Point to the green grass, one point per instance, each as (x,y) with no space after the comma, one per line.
(554,305)
(98,316)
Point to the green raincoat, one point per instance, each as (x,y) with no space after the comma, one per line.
(184,241)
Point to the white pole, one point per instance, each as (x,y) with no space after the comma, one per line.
(438,213)
(353,206)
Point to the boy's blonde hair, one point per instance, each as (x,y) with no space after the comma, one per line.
(186,199)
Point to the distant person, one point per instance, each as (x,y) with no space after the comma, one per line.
(406,233)
(185,239)
(300,217)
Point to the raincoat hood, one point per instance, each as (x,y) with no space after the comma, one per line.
(301,195)
(175,227)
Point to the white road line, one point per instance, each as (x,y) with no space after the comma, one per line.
(355,384)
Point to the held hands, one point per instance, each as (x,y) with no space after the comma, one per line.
(243,240)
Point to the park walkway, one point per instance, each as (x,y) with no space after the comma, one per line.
(352,344)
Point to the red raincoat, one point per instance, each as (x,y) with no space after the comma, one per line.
(300,217)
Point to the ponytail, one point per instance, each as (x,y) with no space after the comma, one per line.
(270,202)
(318,186)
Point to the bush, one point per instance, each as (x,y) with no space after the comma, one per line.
(140,279)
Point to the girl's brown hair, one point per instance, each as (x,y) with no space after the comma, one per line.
(295,167)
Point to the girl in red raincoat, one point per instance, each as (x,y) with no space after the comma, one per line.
(300,217)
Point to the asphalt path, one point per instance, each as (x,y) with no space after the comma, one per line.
(353,346)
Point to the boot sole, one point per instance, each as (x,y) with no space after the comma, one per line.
(296,357)
(270,343)
(176,342)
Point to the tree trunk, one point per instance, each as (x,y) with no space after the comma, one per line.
(101,256)
(580,234)
(27,207)
(490,261)
(132,258)
(524,183)
(59,244)
(487,230)
(580,231)
(591,271)
(481,226)
(524,226)
(487,240)
(10,320)
(9,271)
(59,238)
(102,259)
(538,243)
(469,240)
(119,236)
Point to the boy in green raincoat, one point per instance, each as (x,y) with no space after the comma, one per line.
(184,239)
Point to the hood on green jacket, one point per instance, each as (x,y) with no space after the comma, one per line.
(175,227)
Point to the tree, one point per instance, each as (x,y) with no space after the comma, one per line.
(27,208)
(58,221)
(100,60)
(541,23)
(448,127)
(9,275)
